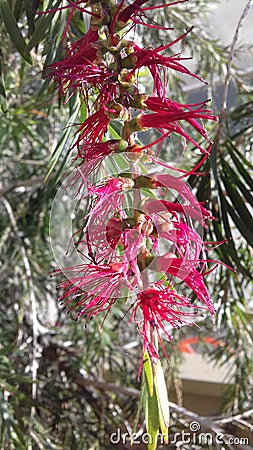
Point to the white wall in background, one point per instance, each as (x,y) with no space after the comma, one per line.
(224,20)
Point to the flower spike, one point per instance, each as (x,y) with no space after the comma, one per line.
(140,239)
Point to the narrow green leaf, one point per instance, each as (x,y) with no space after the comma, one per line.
(241,163)
(248,328)
(155,402)
(7,350)
(57,176)
(83,112)
(230,244)
(13,30)
(29,15)
(152,418)
(2,89)
(242,131)
(63,142)
(20,434)
(113,132)
(3,99)
(213,164)
(222,250)
(18,8)
(228,170)
(237,201)
(40,29)
(162,397)
(244,110)
(39,32)
(241,225)
(148,373)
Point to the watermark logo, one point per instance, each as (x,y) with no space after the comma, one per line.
(191,436)
(194,426)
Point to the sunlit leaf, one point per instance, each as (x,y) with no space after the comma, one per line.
(14,31)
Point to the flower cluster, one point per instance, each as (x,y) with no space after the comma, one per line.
(139,239)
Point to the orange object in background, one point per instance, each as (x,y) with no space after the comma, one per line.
(185,345)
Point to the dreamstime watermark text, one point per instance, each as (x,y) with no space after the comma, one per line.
(193,435)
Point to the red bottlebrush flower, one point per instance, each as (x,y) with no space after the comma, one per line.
(92,156)
(91,289)
(83,75)
(169,122)
(129,11)
(168,181)
(83,45)
(171,225)
(191,112)
(123,15)
(133,242)
(107,204)
(196,211)
(119,231)
(186,241)
(94,127)
(172,220)
(183,236)
(166,117)
(109,190)
(157,64)
(81,54)
(199,212)
(185,270)
(160,306)
(114,229)
(88,152)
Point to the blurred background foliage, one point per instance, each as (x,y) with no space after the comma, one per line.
(64,384)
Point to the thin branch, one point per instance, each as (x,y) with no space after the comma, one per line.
(206,424)
(31,182)
(231,55)
(236,418)
(104,386)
